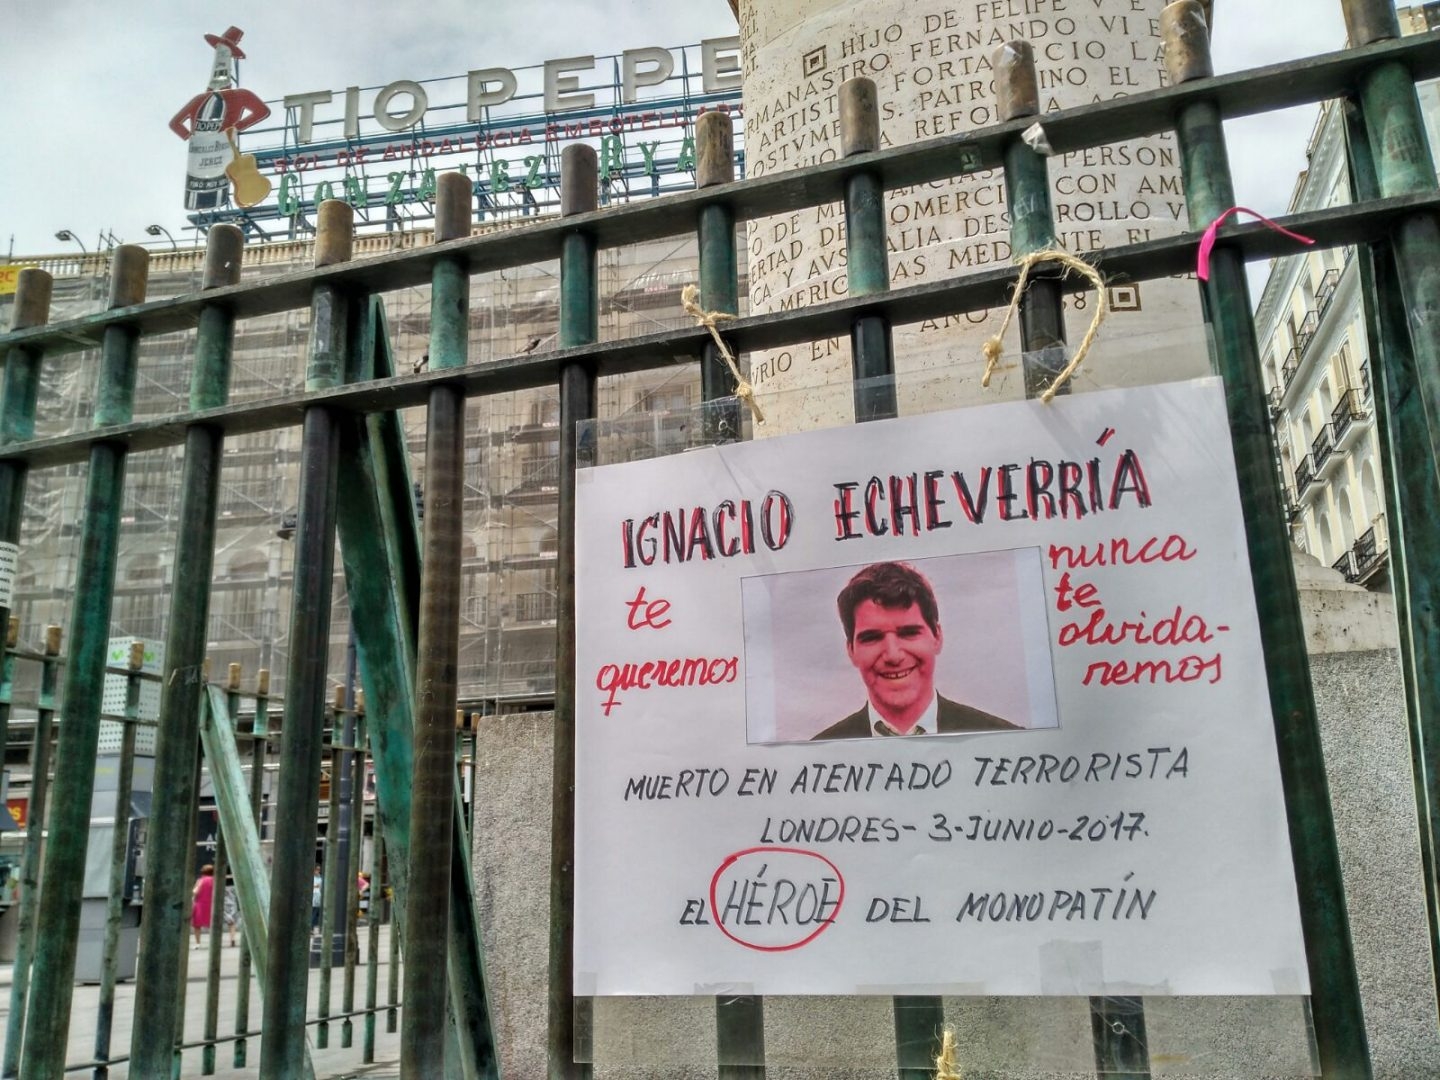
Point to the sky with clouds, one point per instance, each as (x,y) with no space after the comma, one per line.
(84,143)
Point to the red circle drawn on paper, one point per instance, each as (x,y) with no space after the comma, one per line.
(768,849)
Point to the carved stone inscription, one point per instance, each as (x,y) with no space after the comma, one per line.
(931,62)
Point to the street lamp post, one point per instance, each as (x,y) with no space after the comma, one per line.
(67,235)
(158,230)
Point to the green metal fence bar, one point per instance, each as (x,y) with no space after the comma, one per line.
(372,926)
(7,676)
(30,857)
(213,954)
(867,267)
(187,861)
(47,1021)
(1394,159)
(739,1018)
(352,871)
(332,868)
(1412,514)
(258,735)
(119,850)
(579,325)
(1032,222)
(252,885)
(432,796)
(283,1008)
(719,273)
(1117,1023)
(392,983)
(161,964)
(1403,166)
(17,423)
(919,1018)
(1335,995)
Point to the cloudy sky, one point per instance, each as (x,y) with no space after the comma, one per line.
(91,84)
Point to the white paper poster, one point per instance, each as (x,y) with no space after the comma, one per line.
(967,703)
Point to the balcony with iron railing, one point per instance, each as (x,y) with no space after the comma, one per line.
(1291,367)
(1306,333)
(1345,565)
(1326,293)
(1272,397)
(1304,476)
(1371,551)
(1345,419)
(1322,448)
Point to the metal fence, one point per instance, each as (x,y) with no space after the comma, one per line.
(356,484)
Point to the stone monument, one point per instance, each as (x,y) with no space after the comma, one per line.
(931,62)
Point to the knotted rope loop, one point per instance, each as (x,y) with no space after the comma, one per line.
(993,348)
(690,300)
(946,1067)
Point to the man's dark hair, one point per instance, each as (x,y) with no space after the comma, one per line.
(891,585)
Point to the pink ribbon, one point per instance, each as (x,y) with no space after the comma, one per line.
(1207,242)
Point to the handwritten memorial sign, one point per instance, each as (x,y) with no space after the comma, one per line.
(967,703)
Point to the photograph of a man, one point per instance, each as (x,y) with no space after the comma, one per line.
(935,646)
(893,637)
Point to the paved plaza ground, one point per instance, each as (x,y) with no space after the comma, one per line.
(330,1064)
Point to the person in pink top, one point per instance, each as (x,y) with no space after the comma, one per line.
(202,896)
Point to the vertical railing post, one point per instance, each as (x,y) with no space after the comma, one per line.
(432,798)
(1412,513)
(30,857)
(355,725)
(119,850)
(373,909)
(283,1008)
(177,738)
(739,1018)
(579,325)
(1117,1023)
(326,941)
(47,1023)
(1032,223)
(1335,992)
(919,1019)
(867,265)
(719,276)
(17,423)
(1403,166)
(259,734)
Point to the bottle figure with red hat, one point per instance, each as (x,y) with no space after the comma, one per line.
(210,121)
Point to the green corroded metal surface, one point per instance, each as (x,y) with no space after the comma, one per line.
(1335,1002)
(167,888)
(1412,514)
(579,325)
(47,1021)
(30,865)
(432,791)
(284,1007)
(380,551)
(247,863)
(119,846)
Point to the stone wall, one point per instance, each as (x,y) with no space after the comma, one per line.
(931,62)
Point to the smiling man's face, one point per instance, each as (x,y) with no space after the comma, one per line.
(894,650)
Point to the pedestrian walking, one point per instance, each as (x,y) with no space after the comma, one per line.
(201,899)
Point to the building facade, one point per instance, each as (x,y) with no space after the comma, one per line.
(1311,324)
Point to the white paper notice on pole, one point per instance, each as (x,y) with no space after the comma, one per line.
(9,567)
(966,703)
